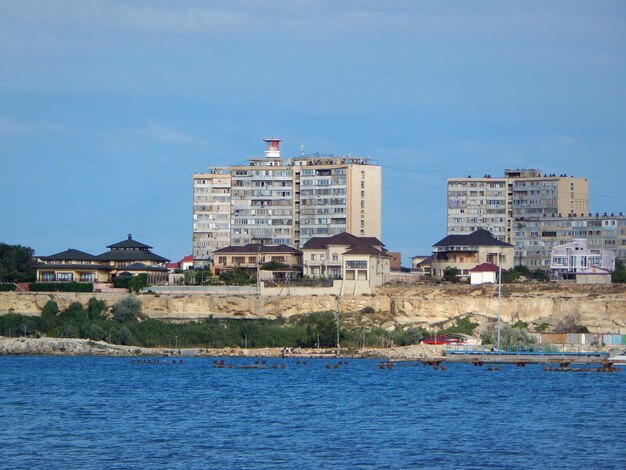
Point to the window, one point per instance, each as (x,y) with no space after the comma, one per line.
(335,257)
(313,256)
(356,264)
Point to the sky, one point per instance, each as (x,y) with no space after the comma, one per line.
(107,108)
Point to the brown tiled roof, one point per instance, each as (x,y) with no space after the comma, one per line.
(480,237)
(129,243)
(343,238)
(356,245)
(70,255)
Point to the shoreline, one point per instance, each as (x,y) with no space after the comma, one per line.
(22,346)
(428,354)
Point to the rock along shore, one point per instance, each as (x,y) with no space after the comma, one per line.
(85,347)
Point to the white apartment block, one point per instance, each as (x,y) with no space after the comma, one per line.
(495,204)
(578,257)
(274,200)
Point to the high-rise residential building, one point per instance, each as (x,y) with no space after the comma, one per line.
(534,212)
(274,200)
(534,239)
(496,203)
(211,212)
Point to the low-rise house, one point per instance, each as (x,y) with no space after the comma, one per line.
(422,264)
(183,264)
(345,256)
(570,260)
(72,266)
(486,273)
(395,261)
(282,261)
(465,252)
(126,258)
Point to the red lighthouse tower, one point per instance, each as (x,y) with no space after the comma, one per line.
(271,148)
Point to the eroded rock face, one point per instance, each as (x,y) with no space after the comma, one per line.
(601,308)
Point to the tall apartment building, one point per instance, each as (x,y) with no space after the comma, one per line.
(495,204)
(211,212)
(533,212)
(534,239)
(274,200)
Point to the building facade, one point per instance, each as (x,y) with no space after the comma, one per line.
(255,256)
(274,200)
(345,256)
(464,252)
(534,239)
(494,204)
(126,258)
(576,257)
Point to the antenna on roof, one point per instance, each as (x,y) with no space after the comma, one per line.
(302,150)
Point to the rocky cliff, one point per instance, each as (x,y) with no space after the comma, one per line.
(600,308)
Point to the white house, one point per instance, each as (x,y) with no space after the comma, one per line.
(576,257)
(485,273)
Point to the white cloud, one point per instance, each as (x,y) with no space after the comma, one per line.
(8,126)
(167,135)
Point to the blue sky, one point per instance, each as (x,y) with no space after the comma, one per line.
(107,108)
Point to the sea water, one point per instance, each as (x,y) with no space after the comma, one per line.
(85,412)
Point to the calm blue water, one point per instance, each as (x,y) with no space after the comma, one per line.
(64,412)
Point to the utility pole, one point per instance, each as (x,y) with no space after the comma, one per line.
(337,316)
(499,295)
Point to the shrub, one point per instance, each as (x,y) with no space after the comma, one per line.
(49,315)
(138,282)
(75,313)
(123,336)
(509,337)
(203,276)
(61,287)
(121,282)
(7,287)
(461,325)
(451,274)
(70,331)
(570,324)
(237,277)
(95,308)
(95,332)
(127,309)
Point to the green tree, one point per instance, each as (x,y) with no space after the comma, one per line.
(95,308)
(271,266)
(95,332)
(203,276)
(49,315)
(16,263)
(510,337)
(540,275)
(618,276)
(236,277)
(127,309)
(138,282)
(451,274)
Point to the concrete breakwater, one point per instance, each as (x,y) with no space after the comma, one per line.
(600,308)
